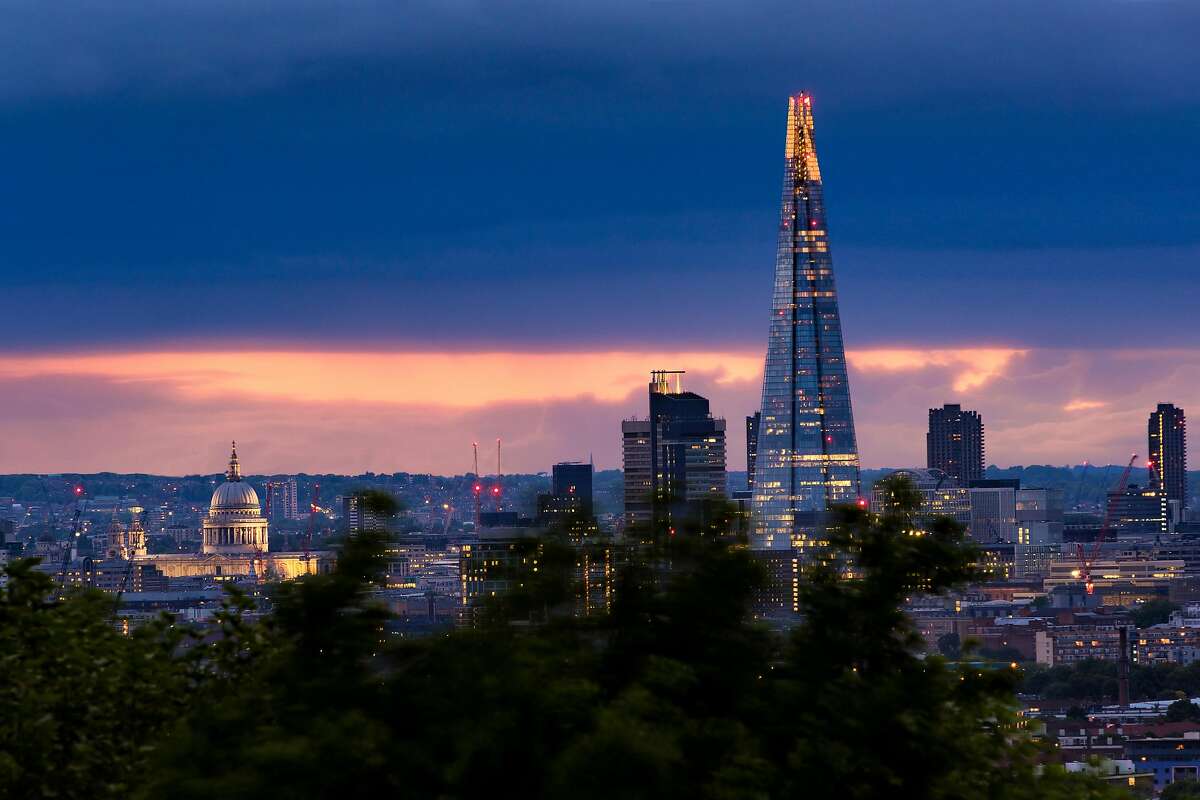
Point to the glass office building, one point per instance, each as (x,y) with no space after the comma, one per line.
(807,459)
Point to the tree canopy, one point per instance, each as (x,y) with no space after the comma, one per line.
(675,693)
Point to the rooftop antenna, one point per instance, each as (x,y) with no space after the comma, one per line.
(660,383)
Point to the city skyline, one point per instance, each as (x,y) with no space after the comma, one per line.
(188,211)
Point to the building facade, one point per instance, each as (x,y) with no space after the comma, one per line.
(1168,455)
(807,453)
(954,443)
(234,541)
(124,541)
(676,457)
(941,496)
(234,523)
(752,423)
(1139,510)
(638,472)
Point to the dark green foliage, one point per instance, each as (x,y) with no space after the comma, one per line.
(672,695)
(949,645)
(1152,612)
(1096,681)
(1181,790)
(1181,710)
(1093,681)
(81,705)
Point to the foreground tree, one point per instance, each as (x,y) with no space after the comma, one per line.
(81,705)
(674,694)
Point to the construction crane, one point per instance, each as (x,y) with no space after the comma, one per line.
(1085,562)
(477,489)
(71,545)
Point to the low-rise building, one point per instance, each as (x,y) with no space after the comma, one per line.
(1167,644)
(1068,644)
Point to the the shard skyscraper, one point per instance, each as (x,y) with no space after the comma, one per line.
(807,454)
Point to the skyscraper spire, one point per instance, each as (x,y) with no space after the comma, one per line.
(807,457)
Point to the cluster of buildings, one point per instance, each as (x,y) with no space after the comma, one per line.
(802,454)
(460,541)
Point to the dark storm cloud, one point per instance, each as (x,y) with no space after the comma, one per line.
(1076,50)
(467,172)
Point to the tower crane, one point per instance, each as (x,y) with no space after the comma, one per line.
(1086,561)
(72,544)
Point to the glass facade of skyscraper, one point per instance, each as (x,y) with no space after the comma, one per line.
(807,459)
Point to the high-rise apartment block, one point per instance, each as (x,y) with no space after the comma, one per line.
(1168,456)
(674,458)
(283,499)
(954,443)
(807,454)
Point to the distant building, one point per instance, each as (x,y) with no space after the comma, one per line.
(1068,644)
(1167,644)
(806,458)
(777,596)
(1115,573)
(1168,455)
(570,490)
(683,446)
(359,516)
(1138,510)
(235,523)
(638,471)
(568,505)
(234,541)
(505,559)
(994,510)
(283,498)
(752,423)
(954,443)
(941,495)
(1020,530)
(124,541)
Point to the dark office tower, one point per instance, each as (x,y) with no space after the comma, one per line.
(751,447)
(573,480)
(954,443)
(677,454)
(807,457)
(1168,453)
